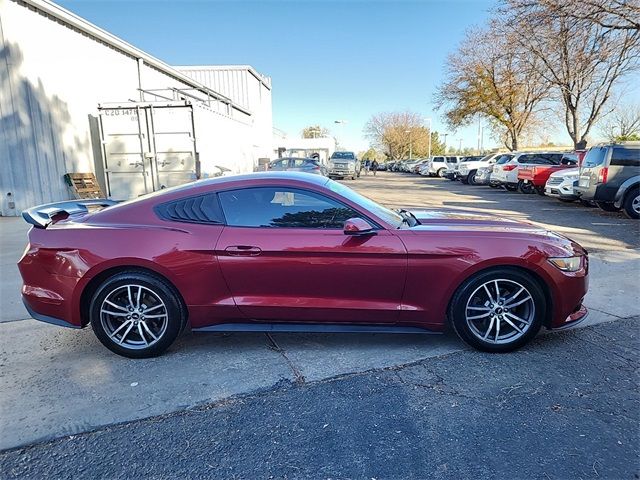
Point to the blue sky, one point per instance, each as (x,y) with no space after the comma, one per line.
(328,60)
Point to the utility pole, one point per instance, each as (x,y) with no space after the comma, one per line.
(342,123)
(429,151)
(410,144)
(445,135)
(460,145)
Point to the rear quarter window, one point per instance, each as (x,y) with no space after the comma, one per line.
(625,157)
(595,157)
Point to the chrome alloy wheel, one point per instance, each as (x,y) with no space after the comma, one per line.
(134,316)
(635,204)
(500,311)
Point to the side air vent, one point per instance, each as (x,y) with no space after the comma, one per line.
(200,209)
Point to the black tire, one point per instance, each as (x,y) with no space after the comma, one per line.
(465,180)
(540,191)
(176,314)
(525,188)
(493,185)
(607,206)
(441,172)
(510,187)
(632,198)
(465,293)
(471,178)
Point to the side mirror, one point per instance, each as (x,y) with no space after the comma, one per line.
(358,226)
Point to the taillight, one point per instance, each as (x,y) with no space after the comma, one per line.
(603,174)
(508,168)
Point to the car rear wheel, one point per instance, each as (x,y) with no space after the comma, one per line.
(136,314)
(441,172)
(525,187)
(607,206)
(631,204)
(499,310)
(471,178)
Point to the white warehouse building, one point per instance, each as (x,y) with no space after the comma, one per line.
(76,99)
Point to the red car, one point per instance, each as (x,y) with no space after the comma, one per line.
(533,178)
(293,252)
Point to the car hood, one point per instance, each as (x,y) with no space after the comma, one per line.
(465,223)
(448,218)
(566,172)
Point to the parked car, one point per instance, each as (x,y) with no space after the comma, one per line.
(483,173)
(467,170)
(287,251)
(506,174)
(452,171)
(344,164)
(417,166)
(610,176)
(533,178)
(293,164)
(438,165)
(561,184)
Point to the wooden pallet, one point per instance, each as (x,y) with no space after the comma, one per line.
(84,185)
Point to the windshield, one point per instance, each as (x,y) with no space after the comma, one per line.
(344,155)
(384,213)
(503,159)
(595,156)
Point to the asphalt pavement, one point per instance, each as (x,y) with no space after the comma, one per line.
(566,407)
(258,396)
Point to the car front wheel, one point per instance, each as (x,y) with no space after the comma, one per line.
(499,310)
(136,314)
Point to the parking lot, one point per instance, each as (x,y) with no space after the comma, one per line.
(342,405)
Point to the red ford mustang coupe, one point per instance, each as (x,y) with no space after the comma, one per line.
(293,252)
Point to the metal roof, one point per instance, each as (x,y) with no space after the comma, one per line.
(81,25)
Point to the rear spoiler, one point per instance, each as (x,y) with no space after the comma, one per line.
(41,216)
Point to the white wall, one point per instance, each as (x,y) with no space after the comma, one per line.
(52,78)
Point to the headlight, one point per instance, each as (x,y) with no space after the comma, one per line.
(567,264)
(571,178)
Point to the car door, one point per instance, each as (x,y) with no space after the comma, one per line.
(285,257)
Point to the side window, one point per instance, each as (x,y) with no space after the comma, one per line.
(625,157)
(297,162)
(279,164)
(281,207)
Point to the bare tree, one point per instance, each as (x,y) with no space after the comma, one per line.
(315,131)
(399,133)
(609,14)
(622,124)
(490,76)
(580,58)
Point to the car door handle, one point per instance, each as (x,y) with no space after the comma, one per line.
(245,250)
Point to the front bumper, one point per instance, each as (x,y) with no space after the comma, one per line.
(574,319)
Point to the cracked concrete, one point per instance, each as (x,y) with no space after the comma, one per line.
(56,382)
(465,414)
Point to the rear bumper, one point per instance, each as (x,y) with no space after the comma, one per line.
(46,318)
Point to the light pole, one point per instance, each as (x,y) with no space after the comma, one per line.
(410,144)
(460,145)
(445,135)
(429,151)
(342,123)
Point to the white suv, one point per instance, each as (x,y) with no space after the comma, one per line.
(437,166)
(467,170)
(507,173)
